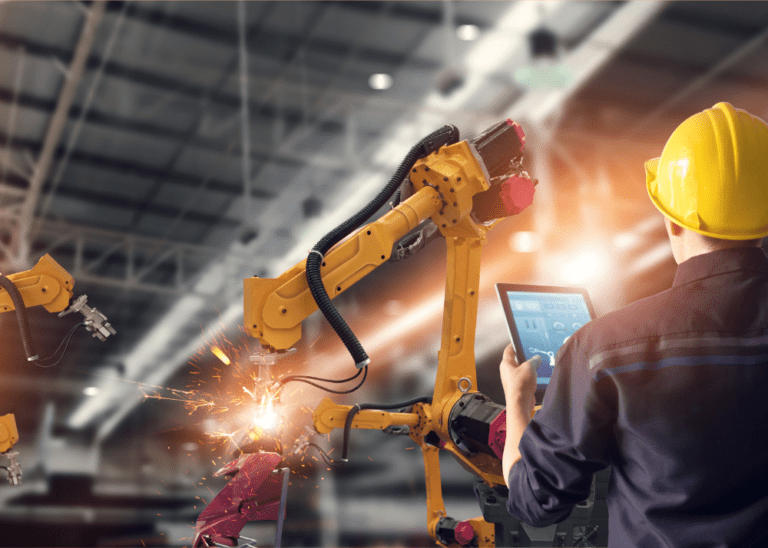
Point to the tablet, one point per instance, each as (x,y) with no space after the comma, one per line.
(540,319)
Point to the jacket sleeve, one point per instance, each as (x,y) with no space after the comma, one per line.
(565,443)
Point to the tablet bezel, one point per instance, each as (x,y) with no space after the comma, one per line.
(501,292)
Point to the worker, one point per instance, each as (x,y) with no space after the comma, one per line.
(671,390)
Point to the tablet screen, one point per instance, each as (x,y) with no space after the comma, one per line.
(543,321)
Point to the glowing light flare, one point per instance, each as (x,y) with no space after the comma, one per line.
(380,81)
(266,418)
(219,353)
(524,242)
(589,265)
(626,240)
(468,33)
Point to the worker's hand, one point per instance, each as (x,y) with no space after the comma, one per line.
(519,380)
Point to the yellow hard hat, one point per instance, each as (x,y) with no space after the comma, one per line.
(712,176)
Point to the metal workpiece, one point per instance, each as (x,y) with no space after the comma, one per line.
(254,493)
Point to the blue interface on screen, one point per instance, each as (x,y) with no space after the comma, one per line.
(544,322)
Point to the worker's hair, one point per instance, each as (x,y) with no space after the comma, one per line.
(721,243)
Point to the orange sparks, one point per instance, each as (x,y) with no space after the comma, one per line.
(219,353)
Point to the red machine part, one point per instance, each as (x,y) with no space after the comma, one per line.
(464,533)
(519,131)
(505,199)
(252,494)
(497,434)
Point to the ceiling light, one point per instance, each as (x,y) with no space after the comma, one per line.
(468,33)
(91,390)
(380,81)
(588,58)
(493,51)
(190,446)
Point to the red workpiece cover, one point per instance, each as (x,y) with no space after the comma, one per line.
(253,494)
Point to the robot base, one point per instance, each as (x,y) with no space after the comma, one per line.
(586,527)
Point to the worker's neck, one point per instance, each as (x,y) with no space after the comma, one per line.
(687,244)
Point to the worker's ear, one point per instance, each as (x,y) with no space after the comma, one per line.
(673,228)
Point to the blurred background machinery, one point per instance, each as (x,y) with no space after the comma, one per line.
(164,151)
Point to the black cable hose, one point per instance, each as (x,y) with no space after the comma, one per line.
(446,135)
(359,407)
(303,377)
(326,457)
(396,200)
(65,343)
(21,316)
(297,379)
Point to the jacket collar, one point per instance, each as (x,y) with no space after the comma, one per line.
(721,262)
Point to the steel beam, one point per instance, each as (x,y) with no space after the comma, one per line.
(14,109)
(588,58)
(55,128)
(193,129)
(153,253)
(135,168)
(245,121)
(730,60)
(75,133)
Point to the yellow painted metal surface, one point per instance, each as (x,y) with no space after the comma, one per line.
(275,308)
(46,284)
(8,432)
(329,415)
(444,184)
(486,534)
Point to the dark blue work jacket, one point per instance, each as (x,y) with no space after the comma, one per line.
(672,391)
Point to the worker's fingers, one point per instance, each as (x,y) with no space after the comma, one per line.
(509,355)
(534,362)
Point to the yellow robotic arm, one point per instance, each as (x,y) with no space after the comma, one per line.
(8,436)
(464,188)
(47,284)
(8,432)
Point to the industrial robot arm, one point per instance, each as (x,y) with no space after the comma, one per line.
(8,436)
(464,188)
(48,285)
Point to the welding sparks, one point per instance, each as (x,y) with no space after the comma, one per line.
(219,353)
(266,418)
